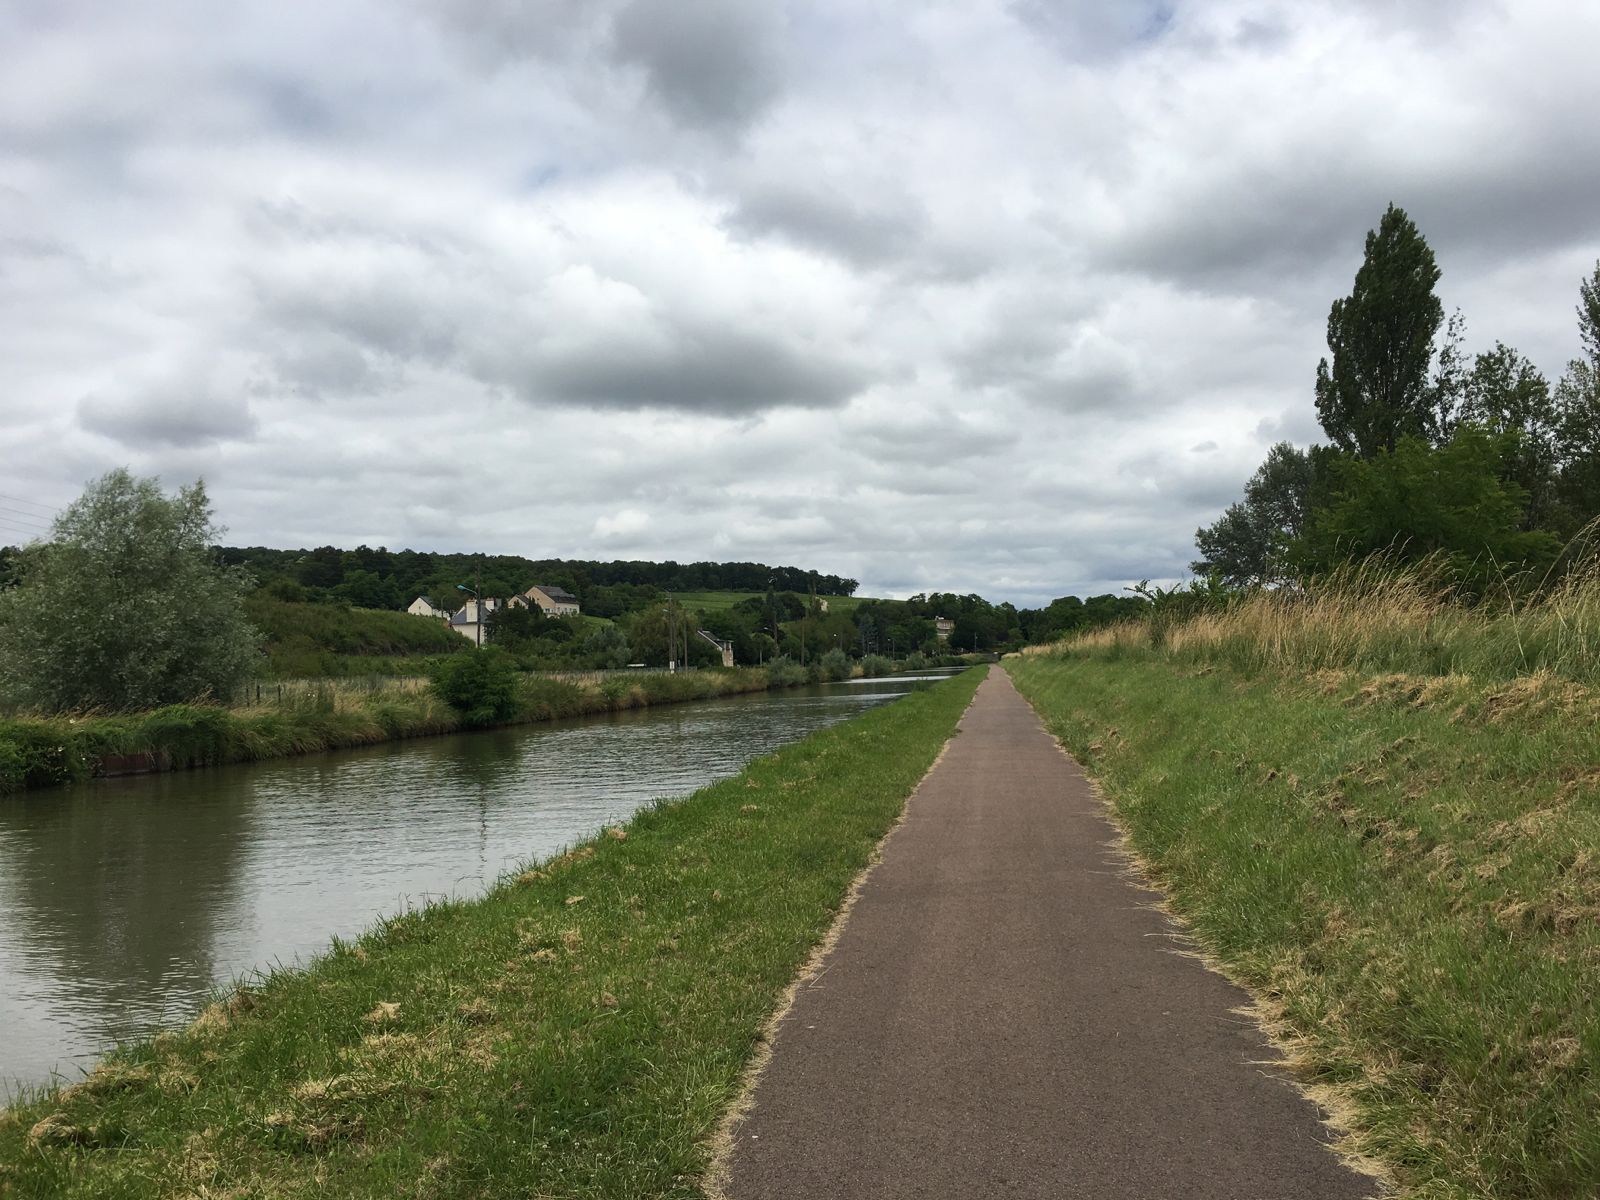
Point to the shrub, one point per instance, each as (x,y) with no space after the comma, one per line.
(783,671)
(481,685)
(835,664)
(877,664)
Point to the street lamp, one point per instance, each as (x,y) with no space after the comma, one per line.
(478,612)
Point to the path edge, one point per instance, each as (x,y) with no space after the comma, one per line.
(1335,1109)
(714,1181)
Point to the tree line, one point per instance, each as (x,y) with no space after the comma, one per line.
(381,578)
(1476,463)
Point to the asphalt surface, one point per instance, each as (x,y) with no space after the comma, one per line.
(1004,1016)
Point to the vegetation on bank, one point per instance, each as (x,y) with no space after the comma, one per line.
(579,1031)
(336,641)
(470,690)
(1379,810)
(42,751)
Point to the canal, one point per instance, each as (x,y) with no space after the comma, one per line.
(125,903)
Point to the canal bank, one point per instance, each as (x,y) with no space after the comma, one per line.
(40,752)
(577,1031)
(129,901)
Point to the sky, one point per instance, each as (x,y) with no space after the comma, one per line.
(968,296)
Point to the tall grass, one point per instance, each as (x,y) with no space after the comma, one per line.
(1375,617)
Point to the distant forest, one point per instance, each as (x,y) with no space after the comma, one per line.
(383,578)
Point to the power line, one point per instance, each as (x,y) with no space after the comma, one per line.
(30,503)
(25,518)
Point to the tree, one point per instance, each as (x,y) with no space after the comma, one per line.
(1247,545)
(1381,336)
(1506,394)
(1577,408)
(127,607)
(481,685)
(1416,501)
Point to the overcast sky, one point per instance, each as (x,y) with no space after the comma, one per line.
(966,296)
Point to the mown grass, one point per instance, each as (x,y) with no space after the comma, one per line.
(1404,868)
(317,715)
(577,1032)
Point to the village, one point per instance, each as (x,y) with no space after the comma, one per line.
(471,618)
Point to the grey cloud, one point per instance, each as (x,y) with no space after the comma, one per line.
(722,372)
(713,63)
(511,30)
(864,227)
(183,419)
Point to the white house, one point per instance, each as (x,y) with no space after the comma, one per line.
(423,607)
(552,601)
(466,621)
(944,627)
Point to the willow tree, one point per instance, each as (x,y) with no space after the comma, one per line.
(126,605)
(1376,390)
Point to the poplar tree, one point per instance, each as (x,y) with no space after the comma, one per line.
(1376,389)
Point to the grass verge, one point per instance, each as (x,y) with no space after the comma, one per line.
(1403,869)
(579,1031)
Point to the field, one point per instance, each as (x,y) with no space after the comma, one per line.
(580,1031)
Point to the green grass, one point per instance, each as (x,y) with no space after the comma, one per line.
(578,1032)
(331,640)
(717,601)
(1404,869)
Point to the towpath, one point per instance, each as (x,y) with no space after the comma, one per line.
(1004,1016)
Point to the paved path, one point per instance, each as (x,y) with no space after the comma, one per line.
(1003,1017)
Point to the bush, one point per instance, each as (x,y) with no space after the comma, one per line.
(481,685)
(835,664)
(783,671)
(877,664)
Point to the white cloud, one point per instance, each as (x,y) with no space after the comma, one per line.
(995,298)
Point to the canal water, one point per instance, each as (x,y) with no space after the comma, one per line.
(124,903)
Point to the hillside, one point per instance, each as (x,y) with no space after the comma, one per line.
(304,640)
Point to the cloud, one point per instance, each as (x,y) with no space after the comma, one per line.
(973,297)
(167,419)
(713,63)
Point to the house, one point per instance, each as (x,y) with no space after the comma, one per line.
(423,607)
(466,621)
(552,601)
(944,627)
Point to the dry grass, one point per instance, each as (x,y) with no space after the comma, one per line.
(1372,618)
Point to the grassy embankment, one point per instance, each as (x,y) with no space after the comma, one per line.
(330,641)
(320,715)
(578,1032)
(1380,813)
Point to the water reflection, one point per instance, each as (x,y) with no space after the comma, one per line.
(126,901)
